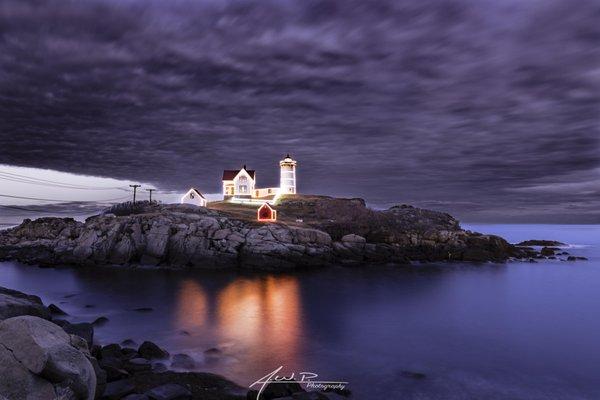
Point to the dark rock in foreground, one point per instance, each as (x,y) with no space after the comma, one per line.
(151,351)
(200,385)
(14,303)
(333,231)
(183,361)
(56,310)
(39,359)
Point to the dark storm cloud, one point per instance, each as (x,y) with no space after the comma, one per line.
(485,108)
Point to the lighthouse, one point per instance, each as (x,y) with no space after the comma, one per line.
(287,183)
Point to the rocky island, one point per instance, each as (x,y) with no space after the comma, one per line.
(310,231)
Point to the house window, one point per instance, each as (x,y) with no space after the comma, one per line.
(243,184)
(191,195)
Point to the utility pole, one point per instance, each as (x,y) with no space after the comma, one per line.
(134,191)
(150,190)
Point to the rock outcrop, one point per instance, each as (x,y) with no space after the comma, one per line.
(41,361)
(333,231)
(14,304)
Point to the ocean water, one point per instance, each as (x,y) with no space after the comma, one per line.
(487,331)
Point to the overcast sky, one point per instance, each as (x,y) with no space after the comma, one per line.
(487,109)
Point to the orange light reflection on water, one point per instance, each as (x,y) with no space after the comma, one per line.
(251,313)
(192,306)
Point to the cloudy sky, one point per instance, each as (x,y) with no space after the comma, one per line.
(489,109)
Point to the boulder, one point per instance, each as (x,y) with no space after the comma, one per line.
(137,365)
(82,329)
(129,343)
(352,238)
(159,367)
(151,351)
(101,377)
(128,353)
(183,361)
(14,303)
(548,251)
(213,352)
(112,350)
(18,382)
(56,310)
(116,390)
(47,356)
(114,374)
(100,321)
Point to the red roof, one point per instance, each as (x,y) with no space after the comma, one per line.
(229,174)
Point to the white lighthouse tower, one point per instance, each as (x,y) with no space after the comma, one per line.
(287,183)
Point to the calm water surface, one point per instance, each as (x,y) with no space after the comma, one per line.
(492,331)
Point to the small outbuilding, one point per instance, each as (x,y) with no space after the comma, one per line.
(266,213)
(193,196)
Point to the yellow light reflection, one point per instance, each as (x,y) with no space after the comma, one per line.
(262,313)
(192,306)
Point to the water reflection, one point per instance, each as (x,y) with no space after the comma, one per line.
(191,311)
(252,314)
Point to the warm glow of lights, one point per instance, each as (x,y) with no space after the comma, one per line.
(192,306)
(262,312)
(287,184)
(266,213)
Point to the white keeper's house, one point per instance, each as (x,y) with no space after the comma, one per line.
(239,185)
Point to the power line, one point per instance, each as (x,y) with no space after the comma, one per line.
(32,181)
(18,180)
(67,201)
(31,178)
(38,211)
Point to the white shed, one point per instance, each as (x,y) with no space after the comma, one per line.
(193,196)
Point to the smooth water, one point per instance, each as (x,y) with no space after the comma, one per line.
(491,331)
